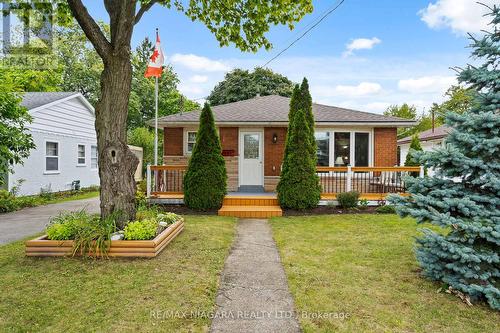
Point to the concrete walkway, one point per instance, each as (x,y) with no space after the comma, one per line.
(30,221)
(253,295)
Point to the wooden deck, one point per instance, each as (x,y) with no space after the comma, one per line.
(165,186)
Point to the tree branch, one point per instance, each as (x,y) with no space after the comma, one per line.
(91,29)
(144,8)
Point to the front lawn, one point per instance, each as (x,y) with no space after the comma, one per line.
(364,266)
(118,295)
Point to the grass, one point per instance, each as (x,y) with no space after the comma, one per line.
(363,266)
(117,295)
(13,203)
(79,196)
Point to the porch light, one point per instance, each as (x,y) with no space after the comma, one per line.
(275,138)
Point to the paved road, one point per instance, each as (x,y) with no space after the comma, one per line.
(253,295)
(30,221)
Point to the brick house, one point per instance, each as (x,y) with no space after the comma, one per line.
(253,132)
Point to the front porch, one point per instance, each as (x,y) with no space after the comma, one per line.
(165,186)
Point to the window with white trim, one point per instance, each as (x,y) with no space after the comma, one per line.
(93,157)
(81,155)
(342,149)
(361,149)
(323,148)
(51,156)
(191,140)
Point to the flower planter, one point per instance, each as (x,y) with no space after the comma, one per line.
(43,247)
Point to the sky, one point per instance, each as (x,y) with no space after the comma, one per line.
(367,55)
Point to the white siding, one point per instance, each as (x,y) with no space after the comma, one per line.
(70,118)
(69,123)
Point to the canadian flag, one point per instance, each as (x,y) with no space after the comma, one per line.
(156,60)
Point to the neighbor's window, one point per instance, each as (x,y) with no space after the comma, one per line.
(93,157)
(361,149)
(191,140)
(323,148)
(81,154)
(342,148)
(51,156)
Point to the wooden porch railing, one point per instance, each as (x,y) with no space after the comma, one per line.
(365,180)
(165,179)
(379,181)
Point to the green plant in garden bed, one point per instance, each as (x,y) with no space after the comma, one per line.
(92,235)
(348,199)
(65,225)
(149,227)
(386,209)
(141,230)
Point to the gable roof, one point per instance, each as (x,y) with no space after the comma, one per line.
(438,133)
(37,100)
(274,109)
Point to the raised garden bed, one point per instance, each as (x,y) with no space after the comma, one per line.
(43,247)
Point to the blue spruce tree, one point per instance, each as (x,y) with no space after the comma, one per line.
(463,198)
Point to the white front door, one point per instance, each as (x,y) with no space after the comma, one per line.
(251,166)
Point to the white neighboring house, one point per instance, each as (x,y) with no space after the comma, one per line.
(66,144)
(428,139)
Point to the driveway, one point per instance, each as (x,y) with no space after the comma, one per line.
(30,221)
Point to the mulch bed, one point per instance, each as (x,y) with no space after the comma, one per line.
(320,210)
(329,210)
(183,210)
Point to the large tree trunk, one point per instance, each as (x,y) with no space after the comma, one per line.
(117,164)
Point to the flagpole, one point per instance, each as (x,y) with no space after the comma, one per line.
(156,120)
(156,112)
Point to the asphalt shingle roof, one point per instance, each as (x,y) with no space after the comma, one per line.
(439,132)
(273,108)
(32,100)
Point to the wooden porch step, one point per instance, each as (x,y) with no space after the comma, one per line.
(250,201)
(251,211)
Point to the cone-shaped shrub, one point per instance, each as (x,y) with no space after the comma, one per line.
(298,187)
(205,182)
(306,104)
(294,106)
(463,197)
(414,147)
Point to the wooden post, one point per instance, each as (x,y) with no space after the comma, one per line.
(348,186)
(148,181)
(422,171)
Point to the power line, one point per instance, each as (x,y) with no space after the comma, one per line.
(305,33)
(325,15)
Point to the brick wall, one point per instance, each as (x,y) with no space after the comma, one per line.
(385,147)
(172,141)
(270,183)
(232,173)
(229,139)
(273,152)
(175,160)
